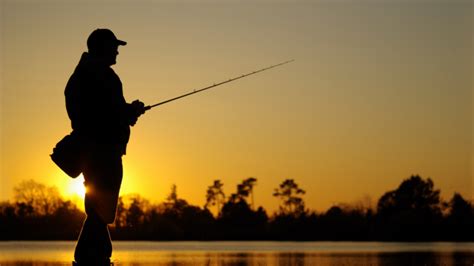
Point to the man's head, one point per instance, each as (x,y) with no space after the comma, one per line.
(103,44)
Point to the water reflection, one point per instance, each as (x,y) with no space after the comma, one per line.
(247,253)
(290,259)
(294,259)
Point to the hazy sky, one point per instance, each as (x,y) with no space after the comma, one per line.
(380,90)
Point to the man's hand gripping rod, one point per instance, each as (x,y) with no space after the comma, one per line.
(215,85)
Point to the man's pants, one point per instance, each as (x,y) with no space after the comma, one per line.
(103,177)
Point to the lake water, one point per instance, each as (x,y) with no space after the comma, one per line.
(138,253)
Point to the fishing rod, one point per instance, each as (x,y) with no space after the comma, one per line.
(215,85)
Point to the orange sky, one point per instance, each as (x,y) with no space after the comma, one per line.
(378,92)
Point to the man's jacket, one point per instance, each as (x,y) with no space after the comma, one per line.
(99,114)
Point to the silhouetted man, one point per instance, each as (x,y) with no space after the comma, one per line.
(101,118)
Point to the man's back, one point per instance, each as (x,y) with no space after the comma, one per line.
(96,106)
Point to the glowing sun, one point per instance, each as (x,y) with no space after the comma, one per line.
(76,187)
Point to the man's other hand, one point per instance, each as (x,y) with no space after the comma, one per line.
(137,109)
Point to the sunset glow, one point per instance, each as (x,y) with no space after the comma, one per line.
(76,187)
(379,91)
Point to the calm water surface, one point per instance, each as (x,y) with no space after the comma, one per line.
(138,253)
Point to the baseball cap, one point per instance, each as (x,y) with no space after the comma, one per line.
(100,38)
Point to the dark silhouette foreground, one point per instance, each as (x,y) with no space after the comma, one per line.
(101,120)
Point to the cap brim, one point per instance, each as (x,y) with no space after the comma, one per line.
(120,42)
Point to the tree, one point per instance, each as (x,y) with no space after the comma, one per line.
(459,207)
(215,196)
(184,220)
(244,190)
(238,221)
(413,193)
(411,212)
(247,189)
(137,208)
(40,199)
(460,219)
(121,214)
(173,203)
(292,203)
(173,196)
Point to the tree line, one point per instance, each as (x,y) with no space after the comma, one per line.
(412,212)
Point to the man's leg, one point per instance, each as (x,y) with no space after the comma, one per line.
(103,177)
(94,244)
